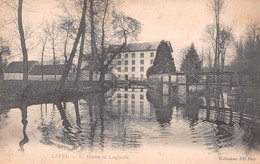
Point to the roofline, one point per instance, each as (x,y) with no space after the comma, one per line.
(139,51)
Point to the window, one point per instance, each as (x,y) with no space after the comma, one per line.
(119,56)
(151,61)
(141,97)
(119,101)
(133,75)
(152,54)
(142,76)
(133,62)
(119,63)
(126,55)
(133,96)
(119,95)
(126,62)
(126,69)
(142,69)
(133,55)
(126,95)
(119,69)
(142,55)
(133,69)
(141,61)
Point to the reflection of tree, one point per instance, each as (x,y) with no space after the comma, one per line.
(64,118)
(192,108)
(24,122)
(76,105)
(164,110)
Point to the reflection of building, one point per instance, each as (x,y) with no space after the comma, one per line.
(135,59)
(134,99)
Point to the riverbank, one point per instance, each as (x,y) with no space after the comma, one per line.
(11,94)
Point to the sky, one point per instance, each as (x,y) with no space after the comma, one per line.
(182,22)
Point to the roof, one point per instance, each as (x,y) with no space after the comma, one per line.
(17,67)
(47,69)
(149,46)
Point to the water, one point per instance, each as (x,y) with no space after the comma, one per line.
(125,121)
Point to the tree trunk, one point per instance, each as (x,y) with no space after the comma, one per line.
(73,52)
(78,74)
(65,48)
(43,49)
(23,45)
(54,57)
(93,40)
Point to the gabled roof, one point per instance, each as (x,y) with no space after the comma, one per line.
(47,69)
(149,46)
(17,67)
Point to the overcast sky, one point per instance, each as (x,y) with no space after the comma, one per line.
(179,21)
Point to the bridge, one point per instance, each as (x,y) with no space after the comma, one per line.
(210,85)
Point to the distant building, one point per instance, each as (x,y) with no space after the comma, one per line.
(47,72)
(14,70)
(134,59)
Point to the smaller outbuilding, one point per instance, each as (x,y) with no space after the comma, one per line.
(14,70)
(46,72)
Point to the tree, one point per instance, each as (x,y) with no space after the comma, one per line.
(4,51)
(23,45)
(67,26)
(191,63)
(216,6)
(53,33)
(73,51)
(43,41)
(124,27)
(108,28)
(164,61)
(81,51)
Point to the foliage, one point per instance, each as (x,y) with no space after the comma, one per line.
(163,62)
(151,71)
(248,52)
(191,63)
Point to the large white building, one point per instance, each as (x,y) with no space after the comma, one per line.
(135,59)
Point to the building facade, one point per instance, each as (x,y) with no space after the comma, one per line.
(135,59)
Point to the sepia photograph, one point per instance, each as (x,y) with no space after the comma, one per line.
(129,81)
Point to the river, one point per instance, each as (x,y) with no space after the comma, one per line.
(128,122)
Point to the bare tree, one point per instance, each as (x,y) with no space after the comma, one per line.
(73,51)
(67,25)
(93,38)
(225,38)
(23,45)
(53,33)
(109,25)
(43,41)
(81,51)
(217,7)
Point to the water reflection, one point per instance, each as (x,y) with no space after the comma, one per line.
(24,122)
(129,119)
